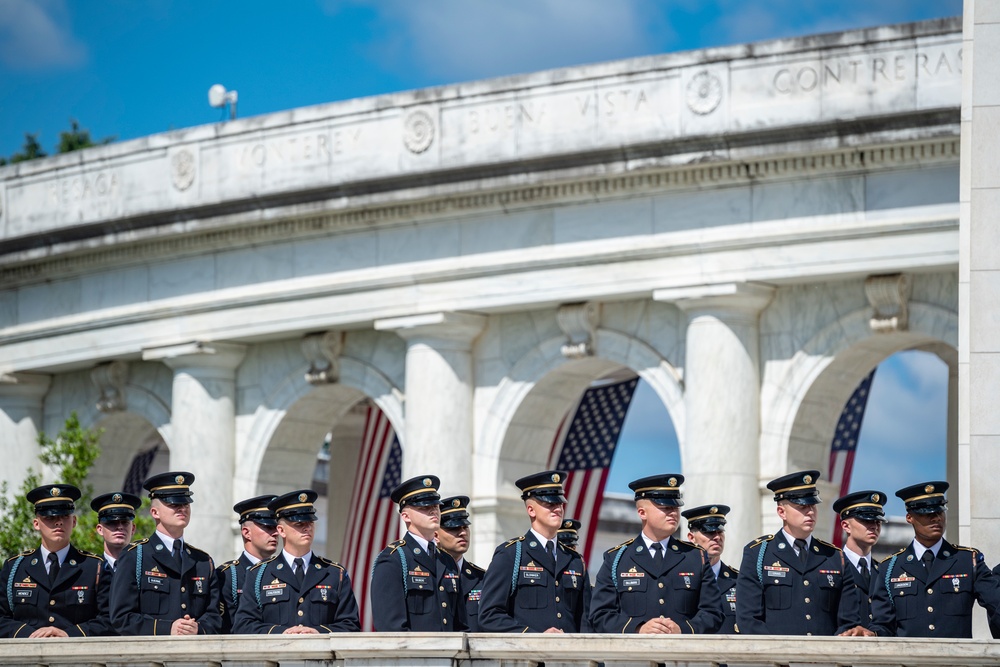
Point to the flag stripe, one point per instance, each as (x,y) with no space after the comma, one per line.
(845,443)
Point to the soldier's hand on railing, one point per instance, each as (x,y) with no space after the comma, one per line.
(553,631)
(659,626)
(300,630)
(47,632)
(184,626)
(858,631)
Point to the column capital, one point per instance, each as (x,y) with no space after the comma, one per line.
(744,298)
(30,386)
(448,327)
(198,354)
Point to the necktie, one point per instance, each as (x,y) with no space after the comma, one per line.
(803,550)
(657,550)
(176,551)
(53,567)
(300,570)
(866,575)
(927,559)
(550,549)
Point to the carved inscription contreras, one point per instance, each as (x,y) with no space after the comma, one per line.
(869,70)
(418,131)
(704,93)
(182,169)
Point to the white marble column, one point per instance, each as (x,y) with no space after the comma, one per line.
(721,446)
(203,442)
(439,392)
(21,402)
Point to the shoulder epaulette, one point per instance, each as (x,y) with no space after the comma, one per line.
(392,546)
(956,546)
(20,555)
(620,546)
(760,540)
(892,555)
(475,567)
(977,555)
(826,544)
(133,545)
(329,562)
(570,549)
(194,548)
(87,554)
(263,562)
(689,544)
(732,569)
(228,564)
(513,541)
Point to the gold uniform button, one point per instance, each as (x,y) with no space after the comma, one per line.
(445,621)
(807,600)
(809,617)
(182,589)
(660,584)
(301,600)
(51,602)
(444,604)
(183,606)
(557,584)
(930,608)
(661,600)
(557,598)
(559,615)
(630,588)
(805,583)
(53,620)
(440,588)
(930,591)
(301,613)
(809,634)
(930,627)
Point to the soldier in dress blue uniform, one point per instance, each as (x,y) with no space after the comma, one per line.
(115,524)
(928,588)
(861,518)
(55,590)
(707,529)
(259,530)
(569,533)
(535,584)
(415,587)
(654,583)
(453,539)
(296,592)
(792,583)
(164,585)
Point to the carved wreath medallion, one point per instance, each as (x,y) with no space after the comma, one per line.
(704,92)
(418,131)
(182,168)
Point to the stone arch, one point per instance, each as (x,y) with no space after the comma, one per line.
(289,427)
(538,390)
(824,374)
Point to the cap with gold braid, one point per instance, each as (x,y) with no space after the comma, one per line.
(861,505)
(707,518)
(925,498)
(173,488)
(663,490)
(797,487)
(295,506)
(115,506)
(454,512)
(546,486)
(419,491)
(256,509)
(569,532)
(54,499)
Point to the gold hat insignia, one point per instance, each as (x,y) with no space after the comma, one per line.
(567,524)
(556,478)
(456,503)
(714,510)
(672,481)
(807,479)
(875,497)
(179,479)
(302,497)
(929,488)
(117,498)
(427,481)
(55,491)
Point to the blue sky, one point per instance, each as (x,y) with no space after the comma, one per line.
(902,442)
(129,68)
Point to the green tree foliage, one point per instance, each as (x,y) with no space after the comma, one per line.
(71,454)
(74,140)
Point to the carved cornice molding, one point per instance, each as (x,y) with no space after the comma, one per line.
(450,203)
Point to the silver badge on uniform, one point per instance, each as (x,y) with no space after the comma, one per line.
(955,583)
(79,597)
(829,579)
(159,547)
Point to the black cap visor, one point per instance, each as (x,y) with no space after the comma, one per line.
(927,506)
(708,525)
(57,510)
(867,515)
(297,515)
(115,515)
(455,521)
(550,497)
(422,500)
(664,501)
(173,498)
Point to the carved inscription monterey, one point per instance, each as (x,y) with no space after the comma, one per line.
(869,70)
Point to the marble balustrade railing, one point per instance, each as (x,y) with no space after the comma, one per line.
(490,650)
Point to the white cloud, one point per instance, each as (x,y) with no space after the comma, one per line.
(466,39)
(35,35)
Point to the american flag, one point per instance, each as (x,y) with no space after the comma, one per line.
(845,443)
(587,449)
(373,521)
(138,470)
